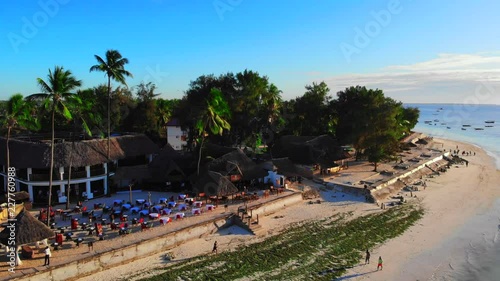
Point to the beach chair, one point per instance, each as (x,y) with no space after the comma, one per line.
(85,212)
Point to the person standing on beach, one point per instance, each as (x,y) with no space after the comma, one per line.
(214,250)
(367,259)
(47,256)
(380,261)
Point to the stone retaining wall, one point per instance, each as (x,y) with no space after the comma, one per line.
(101,261)
(412,171)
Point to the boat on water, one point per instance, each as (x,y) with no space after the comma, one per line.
(436,120)
(489,121)
(463,129)
(478,129)
(465,125)
(443,123)
(448,127)
(488,126)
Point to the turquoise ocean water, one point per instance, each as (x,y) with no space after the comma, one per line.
(474,250)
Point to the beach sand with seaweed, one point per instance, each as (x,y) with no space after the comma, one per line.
(449,200)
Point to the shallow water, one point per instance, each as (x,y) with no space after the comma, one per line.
(473,253)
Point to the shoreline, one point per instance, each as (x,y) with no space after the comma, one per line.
(435,247)
(420,253)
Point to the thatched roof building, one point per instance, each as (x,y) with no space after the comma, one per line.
(287,168)
(214,184)
(18,197)
(28,230)
(138,173)
(165,167)
(309,150)
(236,162)
(29,154)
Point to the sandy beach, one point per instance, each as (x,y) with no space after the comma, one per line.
(450,200)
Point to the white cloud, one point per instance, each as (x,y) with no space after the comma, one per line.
(449,78)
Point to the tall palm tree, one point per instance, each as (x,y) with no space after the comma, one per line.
(56,90)
(17,114)
(82,110)
(114,68)
(213,118)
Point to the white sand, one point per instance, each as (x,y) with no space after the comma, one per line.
(450,201)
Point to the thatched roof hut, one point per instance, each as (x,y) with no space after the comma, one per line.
(36,155)
(27,230)
(236,162)
(287,168)
(165,167)
(214,184)
(138,173)
(18,197)
(309,150)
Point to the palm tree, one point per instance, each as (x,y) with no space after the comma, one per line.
(17,115)
(83,111)
(213,118)
(55,92)
(114,68)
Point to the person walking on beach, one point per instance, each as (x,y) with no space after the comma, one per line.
(367,259)
(380,261)
(214,250)
(47,256)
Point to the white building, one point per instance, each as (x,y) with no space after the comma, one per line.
(176,137)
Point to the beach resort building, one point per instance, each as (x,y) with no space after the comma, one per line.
(30,156)
(176,137)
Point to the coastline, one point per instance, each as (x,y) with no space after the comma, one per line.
(424,252)
(435,247)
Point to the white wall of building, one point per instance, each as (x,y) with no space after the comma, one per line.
(175,137)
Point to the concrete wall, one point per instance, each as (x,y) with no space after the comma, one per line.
(358,191)
(76,269)
(92,264)
(413,170)
(275,205)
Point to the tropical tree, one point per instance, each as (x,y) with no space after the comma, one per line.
(56,90)
(83,113)
(17,114)
(213,118)
(114,68)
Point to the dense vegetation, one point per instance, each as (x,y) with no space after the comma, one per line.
(242,109)
(320,250)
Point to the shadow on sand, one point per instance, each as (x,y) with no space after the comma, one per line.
(354,275)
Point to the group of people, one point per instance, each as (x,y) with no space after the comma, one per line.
(380,261)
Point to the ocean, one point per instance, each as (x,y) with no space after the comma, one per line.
(478,256)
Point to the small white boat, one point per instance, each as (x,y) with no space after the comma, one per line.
(489,121)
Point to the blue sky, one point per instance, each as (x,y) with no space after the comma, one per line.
(416,51)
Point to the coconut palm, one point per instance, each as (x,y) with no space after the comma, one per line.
(17,114)
(56,90)
(82,110)
(114,68)
(213,118)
